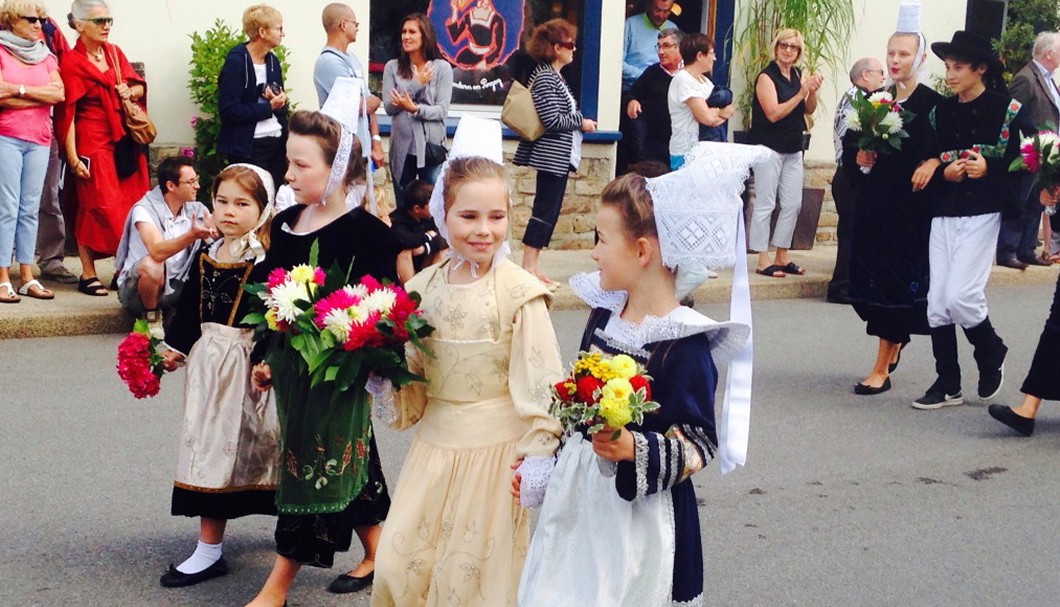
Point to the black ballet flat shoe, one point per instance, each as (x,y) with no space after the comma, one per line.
(347,583)
(177,579)
(863,390)
(1005,415)
(894,366)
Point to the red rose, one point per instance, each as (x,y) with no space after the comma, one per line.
(638,382)
(585,388)
(562,391)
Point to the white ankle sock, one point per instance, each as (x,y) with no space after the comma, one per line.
(204,556)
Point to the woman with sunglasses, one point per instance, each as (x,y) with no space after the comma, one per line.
(90,123)
(781,101)
(558,152)
(251,101)
(29,85)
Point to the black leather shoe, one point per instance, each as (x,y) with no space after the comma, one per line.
(1005,415)
(1034,261)
(176,579)
(347,583)
(1013,263)
(863,390)
(892,367)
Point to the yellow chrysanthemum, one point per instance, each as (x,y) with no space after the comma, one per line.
(270,320)
(302,274)
(623,366)
(614,403)
(594,365)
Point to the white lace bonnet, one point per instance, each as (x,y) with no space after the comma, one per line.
(346,105)
(474,137)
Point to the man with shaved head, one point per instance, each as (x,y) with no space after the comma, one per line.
(340,25)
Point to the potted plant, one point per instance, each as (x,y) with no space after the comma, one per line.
(827,27)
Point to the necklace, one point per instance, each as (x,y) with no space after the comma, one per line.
(97,54)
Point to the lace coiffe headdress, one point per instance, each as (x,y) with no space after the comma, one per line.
(346,104)
(249,241)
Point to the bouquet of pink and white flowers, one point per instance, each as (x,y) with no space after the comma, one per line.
(341,332)
(880,120)
(1040,154)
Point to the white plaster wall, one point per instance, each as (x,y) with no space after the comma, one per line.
(876,20)
(157,33)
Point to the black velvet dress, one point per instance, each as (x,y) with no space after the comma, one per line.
(892,225)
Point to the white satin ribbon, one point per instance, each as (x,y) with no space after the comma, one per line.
(735,427)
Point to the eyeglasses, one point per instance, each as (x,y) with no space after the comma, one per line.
(100,21)
(192,182)
(665,45)
(33,20)
(880,72)
(788,46)
(355,24)
(567,45)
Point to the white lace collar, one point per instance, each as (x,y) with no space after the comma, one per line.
(726,338)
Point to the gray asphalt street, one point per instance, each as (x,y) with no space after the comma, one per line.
(847,500)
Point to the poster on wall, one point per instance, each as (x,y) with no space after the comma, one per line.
(478,37)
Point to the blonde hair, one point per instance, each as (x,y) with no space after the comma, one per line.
(784,34)
(250,182)
(13,10)
(470,168)
(259,16)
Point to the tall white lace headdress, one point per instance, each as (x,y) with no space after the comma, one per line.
(909,23)
(474,137)
(346,104)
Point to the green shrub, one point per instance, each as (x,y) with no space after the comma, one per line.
(208,52)
(1024,20)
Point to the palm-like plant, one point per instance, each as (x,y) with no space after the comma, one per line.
(826,25)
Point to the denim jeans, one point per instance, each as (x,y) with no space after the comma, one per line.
(22,169)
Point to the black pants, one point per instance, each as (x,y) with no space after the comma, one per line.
(1019,236)
(548,201)
(269,153)
(845,196)
(428,174)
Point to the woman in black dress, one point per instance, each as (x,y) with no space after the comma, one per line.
(889,258)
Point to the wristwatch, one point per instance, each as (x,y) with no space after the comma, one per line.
(21,90)
(376,138)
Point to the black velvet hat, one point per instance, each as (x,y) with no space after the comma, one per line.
(968,45)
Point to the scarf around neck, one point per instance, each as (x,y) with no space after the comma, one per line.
(31,52)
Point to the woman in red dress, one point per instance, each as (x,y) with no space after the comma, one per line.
(90,121)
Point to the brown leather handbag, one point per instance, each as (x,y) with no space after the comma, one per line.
(134,116)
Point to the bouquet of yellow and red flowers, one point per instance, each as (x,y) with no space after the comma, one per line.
(139,363)
(601,393)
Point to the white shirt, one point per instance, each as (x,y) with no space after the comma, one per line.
(172,227)
(684,129)
(270,127)
(1053,93)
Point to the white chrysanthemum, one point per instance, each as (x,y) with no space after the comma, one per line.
(284,298)
(381,301)
(338,323)
(852,120)
(892,122)
(358,290)
(358,314)
(881,97)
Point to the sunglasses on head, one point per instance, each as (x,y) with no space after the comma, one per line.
(33,20)
(567,45)
(101,21)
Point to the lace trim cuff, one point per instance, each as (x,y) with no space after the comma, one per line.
(535,472)
(640,461)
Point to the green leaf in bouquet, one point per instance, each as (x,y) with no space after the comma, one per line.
(314,253)
(318,359)
(254,287)
(380,358)
(253,318)
(140,326)
(402,377)
(347,372)
(334,278)
(1016,164)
